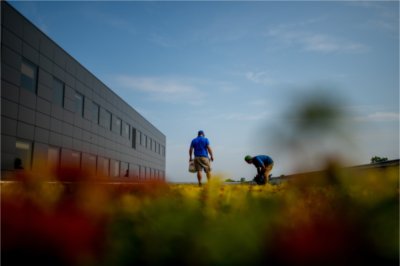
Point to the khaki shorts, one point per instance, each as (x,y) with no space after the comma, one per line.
(202,163)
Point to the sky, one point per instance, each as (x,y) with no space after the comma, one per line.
(239,71)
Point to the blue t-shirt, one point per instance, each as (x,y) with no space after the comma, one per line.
(261,160)
(199,145)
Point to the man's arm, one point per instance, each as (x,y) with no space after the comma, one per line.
(190,153)
(210,152)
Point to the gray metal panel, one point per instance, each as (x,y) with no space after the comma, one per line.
(59,73)
(8,126)
(56,125)
(71,66)
(25,131)
(12,20)
(9,109)
(67,129)
(67,142)
(69,105)
(10,74)
(30,53)
(45,63)
(77,133)
(44,92)
(26,115)
(57,111)
(10,57)
(68,117)
(77,144)
(9,91)
(11,40)
(42,135)
(69,80)
(60,57)
(70,94)
(42,120)
(7,161)
(31,35)
(27,98)
(45,78)
(86,136)
(80,74)
(56,139)
(78,120)
(47,47)
(8,144)
(43,106)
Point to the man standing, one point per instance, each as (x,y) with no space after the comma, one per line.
(201,147)
(264,165)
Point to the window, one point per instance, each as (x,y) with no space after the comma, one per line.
(53,158)
(104,166)
(134,138)
(90,164)
(23,155)
(105,118)
(79,100)
(148,140)
(76,159)
(95,112)
(117,125)
(141,138)
(58,92)
(126,130)
(115,169)
(28,75)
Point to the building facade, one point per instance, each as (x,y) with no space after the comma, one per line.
(54,112)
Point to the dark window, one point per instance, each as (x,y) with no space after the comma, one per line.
(28,76)
(95,112)
(134,138)
(79,100)
(58,92)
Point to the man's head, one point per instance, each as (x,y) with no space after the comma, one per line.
(248,159)
(200,133)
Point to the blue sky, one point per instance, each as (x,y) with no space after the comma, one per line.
(237,69)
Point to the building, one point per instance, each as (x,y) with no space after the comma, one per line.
(54,112)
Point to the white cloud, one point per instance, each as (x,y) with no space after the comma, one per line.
(261,77)
(243,117)
(172,90)
(316,42)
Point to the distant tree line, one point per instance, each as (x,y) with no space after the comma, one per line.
(377,159)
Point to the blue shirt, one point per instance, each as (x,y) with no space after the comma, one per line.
(261,160)
(199,145)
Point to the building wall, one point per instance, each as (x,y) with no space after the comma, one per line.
(54,112)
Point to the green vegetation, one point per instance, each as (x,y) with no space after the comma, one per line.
(339,217)
(377,159)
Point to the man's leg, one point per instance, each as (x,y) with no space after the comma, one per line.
(199,176)
(267,172)
(208,173)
